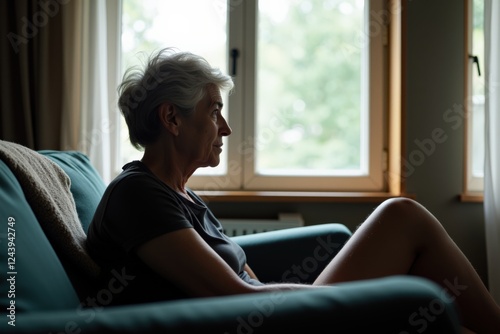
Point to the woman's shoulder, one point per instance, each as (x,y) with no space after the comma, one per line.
(133,172)
(136,187)
(135,178)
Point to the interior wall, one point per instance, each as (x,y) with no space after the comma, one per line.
(435,81)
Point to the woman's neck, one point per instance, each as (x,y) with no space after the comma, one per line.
(166,169)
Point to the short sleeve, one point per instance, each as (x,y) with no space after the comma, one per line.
(139,209)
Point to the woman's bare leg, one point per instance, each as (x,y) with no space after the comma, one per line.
(402,237)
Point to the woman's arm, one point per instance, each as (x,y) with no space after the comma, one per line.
(250,271)
(196,268)
(185,259)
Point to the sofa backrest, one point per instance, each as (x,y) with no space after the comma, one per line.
(36,279)
(87,185)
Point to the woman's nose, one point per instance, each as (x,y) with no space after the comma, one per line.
(224,128)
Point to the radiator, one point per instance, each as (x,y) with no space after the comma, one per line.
(235,227)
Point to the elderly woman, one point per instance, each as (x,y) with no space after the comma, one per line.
(152,228)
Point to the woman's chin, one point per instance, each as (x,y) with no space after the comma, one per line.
(215,163)
(212,163)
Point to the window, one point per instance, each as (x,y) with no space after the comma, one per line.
(308,108)
(144,31)
(475,95)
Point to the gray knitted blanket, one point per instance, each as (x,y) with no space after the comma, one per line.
(47,189)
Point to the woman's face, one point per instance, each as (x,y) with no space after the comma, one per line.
(203,130)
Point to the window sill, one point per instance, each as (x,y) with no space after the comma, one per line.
(297,196)
(472,197)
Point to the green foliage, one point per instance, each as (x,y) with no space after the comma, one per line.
(309,98)
(137,19)
(478,14)
(309,82)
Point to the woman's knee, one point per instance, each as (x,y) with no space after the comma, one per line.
(404,213)
(399,207)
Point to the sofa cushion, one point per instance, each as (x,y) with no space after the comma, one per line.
(39,281)
(87,185)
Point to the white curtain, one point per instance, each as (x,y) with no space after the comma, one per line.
(92,119)
(492,143)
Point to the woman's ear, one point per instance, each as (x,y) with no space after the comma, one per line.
(169,117)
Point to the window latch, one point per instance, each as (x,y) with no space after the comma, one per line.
(234,55)
(475,59)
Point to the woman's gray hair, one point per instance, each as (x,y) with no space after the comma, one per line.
(177,77)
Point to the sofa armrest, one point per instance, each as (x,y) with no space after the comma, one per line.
(293,255)
(388,305)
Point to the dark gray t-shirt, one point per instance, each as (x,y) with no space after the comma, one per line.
(137,207)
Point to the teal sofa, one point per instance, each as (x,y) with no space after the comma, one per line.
(40,297)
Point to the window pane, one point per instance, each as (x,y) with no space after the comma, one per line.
(197,26)
(478,91)
(310,93)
